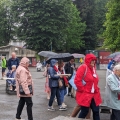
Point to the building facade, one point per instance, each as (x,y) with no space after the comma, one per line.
(20,52)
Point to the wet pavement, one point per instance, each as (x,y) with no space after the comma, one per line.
(8,103)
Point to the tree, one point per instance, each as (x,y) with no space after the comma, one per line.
(75,30)
(5,22)
(92,13)
(86,8)
(43,22)
(112,24)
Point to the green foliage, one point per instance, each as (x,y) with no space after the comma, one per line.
(75,30)
(5,22)
(112,24)
(92,13)
(42,22)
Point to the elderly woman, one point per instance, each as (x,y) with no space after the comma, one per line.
(113,93)
(88,94)
(23,83)
(11,74)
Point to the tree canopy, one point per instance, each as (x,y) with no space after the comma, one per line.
(5,22)
(92,12)
(41,23)
(112,24)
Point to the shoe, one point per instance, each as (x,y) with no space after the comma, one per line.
(69,94)
(19,119)
(72,96)
(55,100)
(51,108)
(64,105)
(62,108)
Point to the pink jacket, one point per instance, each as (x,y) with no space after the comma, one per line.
(23,77)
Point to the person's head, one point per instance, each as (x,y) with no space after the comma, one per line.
(25,62)
(2,57)
(90,60)
(53,63)
(13,67)
(61,65)
(13,55)
(116,70)
(72,61)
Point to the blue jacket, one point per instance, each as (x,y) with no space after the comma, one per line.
(53,79)
(12,62)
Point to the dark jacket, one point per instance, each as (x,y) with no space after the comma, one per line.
(12,62)
(53,79)
(69,69)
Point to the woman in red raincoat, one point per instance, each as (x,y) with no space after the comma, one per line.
(88,93)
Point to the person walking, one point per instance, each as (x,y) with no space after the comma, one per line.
(64,80)
(3,63)
(69,69)
(23,81)
(13,61)
(88,93)
(54,85)
(112,96)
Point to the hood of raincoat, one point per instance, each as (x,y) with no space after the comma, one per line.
(53,62)
(23,61)
(89,58)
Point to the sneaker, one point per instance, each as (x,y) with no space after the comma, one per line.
(62,108)
(51,109)
(55,100)
(69,94)
(64,105)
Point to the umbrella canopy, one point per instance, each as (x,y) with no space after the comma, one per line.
(117,58)
(76,55)
(47,53)
(62,56)
(113,55)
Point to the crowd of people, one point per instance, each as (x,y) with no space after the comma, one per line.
(58,75)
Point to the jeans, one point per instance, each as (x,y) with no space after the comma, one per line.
(63,92)
(29,103)
(85,110)
(115,115)
(54,92)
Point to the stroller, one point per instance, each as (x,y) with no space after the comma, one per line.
(10,82)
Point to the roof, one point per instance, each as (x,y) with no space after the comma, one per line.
(13,46)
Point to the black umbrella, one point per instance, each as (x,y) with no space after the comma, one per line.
(47,53)
(62,56)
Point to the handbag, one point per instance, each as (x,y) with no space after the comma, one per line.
(60,83)
(21,91)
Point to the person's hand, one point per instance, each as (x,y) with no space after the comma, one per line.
(61,76)
(67,76)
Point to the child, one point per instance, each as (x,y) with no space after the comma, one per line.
(11,74)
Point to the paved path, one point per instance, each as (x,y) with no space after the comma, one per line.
(8,103)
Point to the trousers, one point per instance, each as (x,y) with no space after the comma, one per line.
(85,110)
(29,103)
